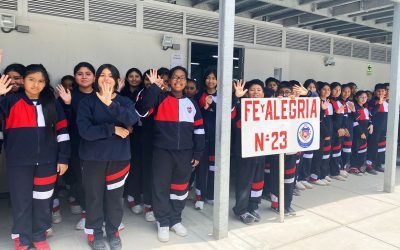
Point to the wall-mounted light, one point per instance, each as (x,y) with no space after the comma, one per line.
(7,24)
(167,43)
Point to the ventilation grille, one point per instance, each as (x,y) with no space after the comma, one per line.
(342,48)
(389,55)
(105,11)
(62,8)
(162,20)
(360,50)
(320,44)
(378,53)
(296,40)
(202,26)
(244,33)
(269,37)
(9,4)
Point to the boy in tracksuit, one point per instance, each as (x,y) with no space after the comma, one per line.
(178,146)
(377,141)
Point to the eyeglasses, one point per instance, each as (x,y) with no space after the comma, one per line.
(190,88)
(176,78)
(286,92)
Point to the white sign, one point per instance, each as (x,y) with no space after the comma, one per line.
(279,125)
(176,60)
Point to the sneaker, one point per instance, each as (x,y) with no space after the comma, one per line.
(18,246)
(179,229)
(372,171)
(363,169)
(247,218)
(149,216)
(355,171)
(327,178)
(199,205)
(56,217)
(380,169)
(41,245)
(81,224)
(290,211)
(344,173)
(300,186)
(296,192)
(339,178)
(49,232)
(307,184)
(115,242)
(136,208)
(318,182)
(327,183)
(74,206)
(163,233)
(256,216)
(97,245)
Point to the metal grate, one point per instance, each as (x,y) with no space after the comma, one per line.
(162,20)
(9,4)
(342,47)
(62,8)
(320,44)
(269,36)
(389,55)
(202,26)
(378,53)
(244,33)
(106,11)
(360,50)
(295,40)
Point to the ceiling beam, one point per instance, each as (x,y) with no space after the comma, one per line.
(198,2)
(251,5)
(384,20)
(342,27)
(302,20)
(352,30)
(371,11)
(310,8)
(360,6)
(284,15)
(378,15)
(373,35)
(328,25)
(301,2)
(329,4)
(318,22)
(362,33)
(268,11)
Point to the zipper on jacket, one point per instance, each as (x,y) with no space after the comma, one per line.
(37,133)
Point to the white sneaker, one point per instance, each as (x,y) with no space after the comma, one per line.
(344,173)
(163,233)
(49,232)
(300,186)
(327,183)
(319,183)
(307,184)
(56,217)
(121,226)
(199,205)
(179,229)
(81,224)
(339,178)
(328,178)
(74,206)
(137,209)
(149,216)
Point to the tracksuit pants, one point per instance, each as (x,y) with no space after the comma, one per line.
(289,176)
(134,182)
(347,144)
(104,186)
(305,166)
(205,173)
(320,161)
(77,190)
(271,161)
(359,149)
(249,184)
(31,189)
(171,174)
(335,163)
(376,148)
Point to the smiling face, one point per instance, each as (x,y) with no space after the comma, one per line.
(284,92)
(178,81)
(381,93)
(256,91)
(336,91)
(134,79)
(362,99)
(346,92)
(16,80)
(34,83)
(325,92)
(106,77)
(211,82)
(84,77)
(272,86)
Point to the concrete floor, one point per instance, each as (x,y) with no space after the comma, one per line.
(355,214)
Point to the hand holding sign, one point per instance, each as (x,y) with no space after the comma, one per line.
(239,89)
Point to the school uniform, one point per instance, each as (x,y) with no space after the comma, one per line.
(289,177)
(32,167)
(347,142)
(338,123)
(360,126)
(105,161)
(178,138)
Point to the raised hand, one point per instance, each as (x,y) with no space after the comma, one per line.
(121,132)
(5,85)
(324,104)
(65,94)
(239,88)
(121,84)
(340,110)
(300,90)
(351,106)
(106,93)
(155,79)
(370,129)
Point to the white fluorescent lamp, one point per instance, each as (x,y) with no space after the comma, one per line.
(235,58)
(195,63)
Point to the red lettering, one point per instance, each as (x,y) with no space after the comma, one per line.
(255,110)
(292,109)
(276,116)
(283,109)
(247,110)
(259,142)
(300,108)
(268,112)
(313,109)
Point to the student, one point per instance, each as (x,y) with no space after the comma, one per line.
(205,171)
(103,121)
(84,74)
(249,181)
(191,89)
(362,127)
(311,85)
(338,131)
(377,141)
(353,88)
(348,120)
(68,82)
(15,72)
(320,161)
(369,96)
(33,115)
(164,74)
(133,188)
(272,84)
(178,146)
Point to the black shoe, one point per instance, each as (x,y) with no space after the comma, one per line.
(247,218)
(97,245)
(380,169)
(371,171)
(275,209)
(290,211)
(256,216)
(115,242)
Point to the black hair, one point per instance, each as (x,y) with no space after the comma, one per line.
(345,86)
(250,83)
(320,85)
(114,73)
(172,71)
(17,67)
(209,72)
(268,92)
(46,99)
(84,65)
(125,91)
(285,85)
(352,84)
(380,86)
(163,71)
(67,77)
(194,81)
(387,85)
(358,93)
(308,82)
(335,84)
(271,79)
(294,82)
